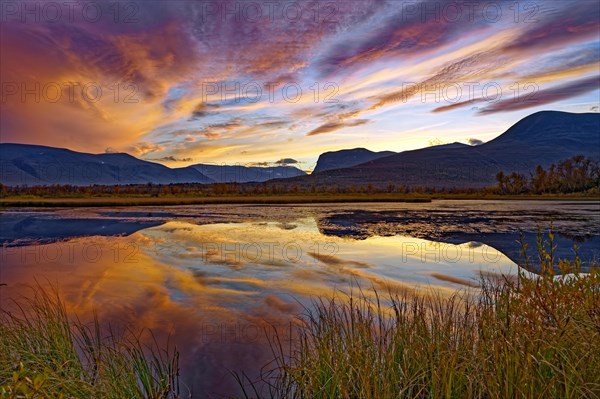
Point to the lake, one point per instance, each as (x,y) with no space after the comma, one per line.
(214,277)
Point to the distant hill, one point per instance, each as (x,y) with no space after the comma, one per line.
(539,139)
(22,164)
(347,158)
(245,174)
(449,146)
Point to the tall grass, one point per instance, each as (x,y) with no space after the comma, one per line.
(528,337)
(44,354)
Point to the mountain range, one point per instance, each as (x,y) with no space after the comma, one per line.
(24,164)
(539,139)
(246,174)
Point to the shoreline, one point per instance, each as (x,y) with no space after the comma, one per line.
(16,202)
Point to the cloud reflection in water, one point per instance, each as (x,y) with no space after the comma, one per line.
(215,287)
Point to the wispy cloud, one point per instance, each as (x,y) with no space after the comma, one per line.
(546,96)
(355,63)
(333,126)
(286,161)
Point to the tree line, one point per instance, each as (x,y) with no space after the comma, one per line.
(573,175)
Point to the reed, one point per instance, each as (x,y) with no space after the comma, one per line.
(534,336)
(46,354)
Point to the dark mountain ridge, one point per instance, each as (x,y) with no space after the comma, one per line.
(23,164)
(347,158)
(539,139)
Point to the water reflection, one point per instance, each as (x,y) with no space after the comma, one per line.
(24,228)
(215,277)
(238,257)
(215,287)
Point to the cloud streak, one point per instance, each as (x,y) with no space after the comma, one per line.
(333,126)
(547,96)
(352,62)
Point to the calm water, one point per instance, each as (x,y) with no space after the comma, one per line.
(213,277)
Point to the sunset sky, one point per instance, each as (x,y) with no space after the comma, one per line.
(183,82)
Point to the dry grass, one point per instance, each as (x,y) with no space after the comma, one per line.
(531,337)
(318,198)
(229,199)
(44,354)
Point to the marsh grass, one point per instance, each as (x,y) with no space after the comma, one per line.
(108,201)
(45,354)
(534,336)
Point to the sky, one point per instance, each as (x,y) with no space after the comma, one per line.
(278,82)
